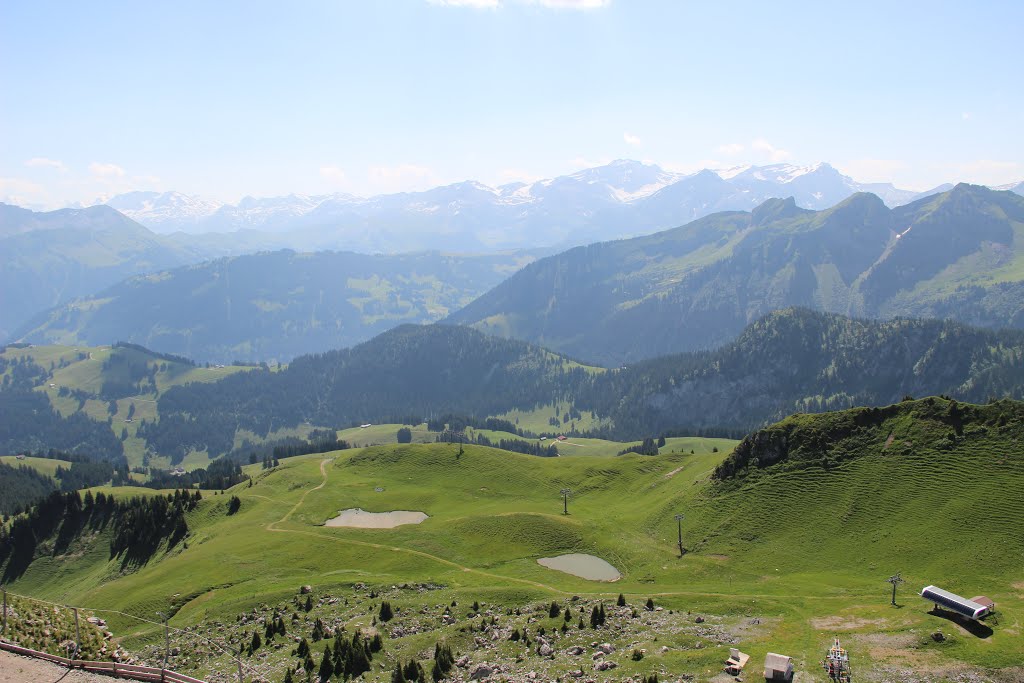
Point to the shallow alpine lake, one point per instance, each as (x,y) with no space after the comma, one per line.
(584,566)
(361,519)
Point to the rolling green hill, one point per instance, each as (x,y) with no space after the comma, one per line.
(274,306)
(782,552)
(959,254)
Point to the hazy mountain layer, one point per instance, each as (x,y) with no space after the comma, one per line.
(959,254)
(274,305)
(49,258)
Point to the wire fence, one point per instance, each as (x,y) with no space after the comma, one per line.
(82,633)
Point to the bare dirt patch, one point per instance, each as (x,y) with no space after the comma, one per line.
(837,623)
(674,472)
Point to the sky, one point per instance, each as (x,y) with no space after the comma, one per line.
(227,99)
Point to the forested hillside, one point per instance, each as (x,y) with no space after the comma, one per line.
(411,370)
(790,361)
(958,254)
(798,360)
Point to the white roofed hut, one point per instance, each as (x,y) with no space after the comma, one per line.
(956,603)
(778,667)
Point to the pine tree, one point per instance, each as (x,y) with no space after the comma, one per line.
(386,613)
(399,675)
(601,615)
(309,664)
(309,603)
(621,601)
(554,611)
(288,675)
(256,643)
(326,665)
(650,604)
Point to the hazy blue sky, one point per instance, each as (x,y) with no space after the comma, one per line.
(226,98)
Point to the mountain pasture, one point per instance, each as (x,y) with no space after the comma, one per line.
(781,560)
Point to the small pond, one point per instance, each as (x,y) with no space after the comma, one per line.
(359,518)
(584,566)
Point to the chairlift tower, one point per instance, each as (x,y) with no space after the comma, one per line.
(895,580)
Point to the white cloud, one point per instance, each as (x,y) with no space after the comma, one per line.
(515,175)
(402,178)
(631,139)
(43,162)
(966,115)
(580,163)
(771,151)
(21,192)
(984,171)
(106,170)
(873,170)
(731,149)
(335,175)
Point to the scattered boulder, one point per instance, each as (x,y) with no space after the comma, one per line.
(305,590)
(462,662)
(699,620)
(605,665)
(575,650)
(606,648)
(545,650)
(481,671)
(938,637)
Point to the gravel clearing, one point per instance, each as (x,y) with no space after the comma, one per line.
(17,669)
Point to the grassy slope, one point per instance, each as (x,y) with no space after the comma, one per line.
(42,465)
(806,550)
(87,374)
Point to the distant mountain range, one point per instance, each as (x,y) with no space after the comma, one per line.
(958,254)
(273,306)
(621,199)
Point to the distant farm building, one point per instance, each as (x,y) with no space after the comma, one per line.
(778,667)
(958,604)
